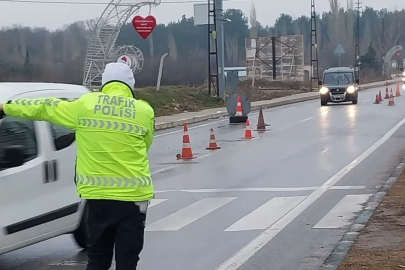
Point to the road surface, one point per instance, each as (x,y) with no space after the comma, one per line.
(281,201)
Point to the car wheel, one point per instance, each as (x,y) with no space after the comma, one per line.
(80,235)
(355,101)
(324,103)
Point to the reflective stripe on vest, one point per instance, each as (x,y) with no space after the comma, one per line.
(112,125)
(107,181)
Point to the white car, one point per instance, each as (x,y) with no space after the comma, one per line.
(38,198)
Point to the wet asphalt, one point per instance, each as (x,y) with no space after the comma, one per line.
(210,208)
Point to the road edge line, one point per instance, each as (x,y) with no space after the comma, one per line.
(339,253)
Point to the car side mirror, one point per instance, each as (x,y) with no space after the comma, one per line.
(14,155)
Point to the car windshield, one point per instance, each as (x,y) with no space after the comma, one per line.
(338,78)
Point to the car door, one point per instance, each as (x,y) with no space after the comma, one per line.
(62,166)
(61,153)
(21,185)
(54,207)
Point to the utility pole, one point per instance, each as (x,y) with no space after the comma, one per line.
(383,43)
(314,72)
(220,47)
(357,62)
(212,49)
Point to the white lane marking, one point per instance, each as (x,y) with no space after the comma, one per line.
(343,212)
(189,214)
(155,202)
(284,128)
(222,190)
(163,170)
(219,190)
(204,156)
(265,215)
(190,128)
(256,244)
(69,263)
(325,150)
(307,119)
(347,187)
(366,100)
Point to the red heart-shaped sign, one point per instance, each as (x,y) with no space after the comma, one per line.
(144,26)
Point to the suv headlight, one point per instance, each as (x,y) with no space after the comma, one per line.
(351,89)
(324,90)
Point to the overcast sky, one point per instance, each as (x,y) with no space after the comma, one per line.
(53,16)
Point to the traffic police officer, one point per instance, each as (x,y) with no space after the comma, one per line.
(114,132)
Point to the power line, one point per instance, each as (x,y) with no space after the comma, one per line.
(102,3)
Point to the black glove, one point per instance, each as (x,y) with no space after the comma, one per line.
(2,114)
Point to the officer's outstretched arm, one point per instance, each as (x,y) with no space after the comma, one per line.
(54,110)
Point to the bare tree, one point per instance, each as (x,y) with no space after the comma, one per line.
(171,44)
(253,22)
(151,47)
(334,6)
(232,50)
(350,4)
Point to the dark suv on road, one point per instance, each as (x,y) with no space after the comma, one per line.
(339,84)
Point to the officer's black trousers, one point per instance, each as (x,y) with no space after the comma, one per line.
(114,223)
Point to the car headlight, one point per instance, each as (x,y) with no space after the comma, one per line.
(351,89)
(324,90)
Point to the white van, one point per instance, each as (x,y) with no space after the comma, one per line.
(38,198)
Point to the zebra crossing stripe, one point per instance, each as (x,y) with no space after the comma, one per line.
(343,213)
(267,214)
(261,217)
(189,214)
(112,125)
(155,202)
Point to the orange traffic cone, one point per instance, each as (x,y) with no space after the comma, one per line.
(186,152)
(387,96)
(261,126)
(398,93)
(239,109)
(213,142)
(377,99)
(248,132)
(391,101)
(380,96)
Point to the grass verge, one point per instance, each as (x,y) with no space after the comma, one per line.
(177,99)
(381,244)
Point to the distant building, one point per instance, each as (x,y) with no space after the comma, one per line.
(242,72)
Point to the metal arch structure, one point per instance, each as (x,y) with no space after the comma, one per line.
(388,58)
(101,47)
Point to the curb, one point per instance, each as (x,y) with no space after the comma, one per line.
(271,104)
(341,250)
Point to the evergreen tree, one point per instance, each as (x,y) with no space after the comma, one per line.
(369,60)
